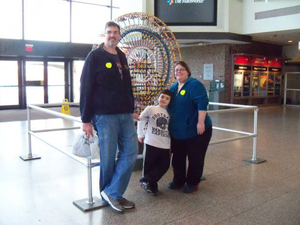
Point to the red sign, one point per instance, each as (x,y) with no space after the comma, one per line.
(260,61)
(28,48)
(242,59)
(275,62)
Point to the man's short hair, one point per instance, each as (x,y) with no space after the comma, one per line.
(111,24)
(166,92)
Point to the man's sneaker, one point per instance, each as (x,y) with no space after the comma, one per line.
(126,203)
(114,203)
(147,188)
(174,185)
(189,188)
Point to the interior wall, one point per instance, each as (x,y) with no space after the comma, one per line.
(278,23)
(219,56)
(235,16)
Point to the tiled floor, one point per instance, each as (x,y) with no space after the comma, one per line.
(234,192)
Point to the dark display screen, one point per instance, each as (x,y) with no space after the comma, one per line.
(186,12)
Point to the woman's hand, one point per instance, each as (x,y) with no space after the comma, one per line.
(200,128)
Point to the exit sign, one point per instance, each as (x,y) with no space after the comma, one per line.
(28,47)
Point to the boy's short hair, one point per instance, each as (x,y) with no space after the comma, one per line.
(166,92)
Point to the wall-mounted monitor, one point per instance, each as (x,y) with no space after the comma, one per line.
(186,12)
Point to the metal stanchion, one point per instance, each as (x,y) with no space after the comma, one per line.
(29,156)
(91,202)
(254,159)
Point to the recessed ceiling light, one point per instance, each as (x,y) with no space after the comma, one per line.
(290,41)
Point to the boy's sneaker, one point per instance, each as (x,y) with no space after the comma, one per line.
(114,203)
(174,185)
(189,188)
(126,203)
(147,188)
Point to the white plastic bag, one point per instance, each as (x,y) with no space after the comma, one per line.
(87,148)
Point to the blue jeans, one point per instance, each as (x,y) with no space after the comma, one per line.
(118,151)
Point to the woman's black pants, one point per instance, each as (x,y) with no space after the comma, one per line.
(194,149)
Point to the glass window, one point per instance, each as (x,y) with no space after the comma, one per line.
(35,71)
(77,69)
(56,73)
(255,84)
(115,13)
(263,84)
(11,19)
(47,20)
(97,2)
(88,22)
(9,91)
(237,84)
(56,94)
(246,87)
(271,84)
(116,9)
(277,84)
(116,3)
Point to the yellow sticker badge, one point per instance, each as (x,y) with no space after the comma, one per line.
(108,65)
(182,92)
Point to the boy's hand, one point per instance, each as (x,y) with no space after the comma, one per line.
(141,140)
(136,116)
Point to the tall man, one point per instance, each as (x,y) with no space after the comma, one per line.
(107,102)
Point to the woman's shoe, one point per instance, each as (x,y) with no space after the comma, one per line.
(174,185)
(189,188)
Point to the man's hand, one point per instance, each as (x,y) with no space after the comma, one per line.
(87,129)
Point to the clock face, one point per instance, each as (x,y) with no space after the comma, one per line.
(151,50)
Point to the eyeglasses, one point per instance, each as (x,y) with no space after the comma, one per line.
(112,32)
(179,70)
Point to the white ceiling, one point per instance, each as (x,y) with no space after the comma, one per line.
(279,37)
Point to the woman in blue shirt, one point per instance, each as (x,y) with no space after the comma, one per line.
(190,129)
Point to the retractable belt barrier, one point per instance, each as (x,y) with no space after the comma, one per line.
(91,202)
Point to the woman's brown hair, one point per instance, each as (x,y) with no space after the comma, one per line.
(185,65)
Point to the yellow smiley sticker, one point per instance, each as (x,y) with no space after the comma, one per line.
(108,65)
(182,92)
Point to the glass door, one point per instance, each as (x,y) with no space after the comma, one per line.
(34,82)
(9,83)
(56,82)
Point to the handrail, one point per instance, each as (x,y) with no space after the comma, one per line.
(235,108)
(85,204)
(94,203)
